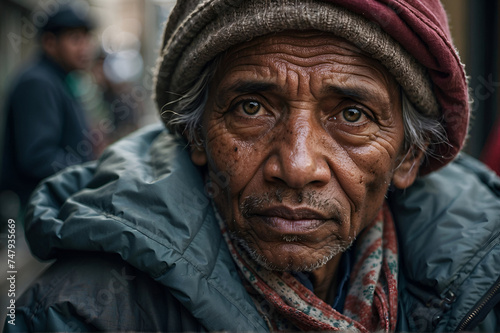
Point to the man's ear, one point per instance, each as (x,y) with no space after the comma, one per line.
(48,41)
(407,171)
(198,152)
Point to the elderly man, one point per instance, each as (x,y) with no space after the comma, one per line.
(297,186)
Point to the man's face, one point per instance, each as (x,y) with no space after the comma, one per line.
(310,131)
(72,49)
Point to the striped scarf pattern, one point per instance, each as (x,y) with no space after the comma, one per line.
(371,302)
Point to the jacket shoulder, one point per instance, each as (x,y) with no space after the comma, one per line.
(449,239)
(36,74)
(96,291)
(456,208)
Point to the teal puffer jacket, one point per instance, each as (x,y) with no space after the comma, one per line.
(138,248)
(449,241)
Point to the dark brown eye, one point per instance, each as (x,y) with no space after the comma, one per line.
(251,107)
(351,115)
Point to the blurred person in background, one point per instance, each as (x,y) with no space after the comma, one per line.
(45,123)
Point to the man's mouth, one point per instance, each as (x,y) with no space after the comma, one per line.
(293,214)
(286,220)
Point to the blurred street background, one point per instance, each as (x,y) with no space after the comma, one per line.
(116,88)
(118,85)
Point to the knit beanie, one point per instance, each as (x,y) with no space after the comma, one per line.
(411,38)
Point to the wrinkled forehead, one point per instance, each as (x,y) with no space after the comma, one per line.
(322,56)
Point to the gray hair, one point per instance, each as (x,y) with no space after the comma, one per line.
(189,108)
(421,132)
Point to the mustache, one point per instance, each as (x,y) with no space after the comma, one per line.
(310,198)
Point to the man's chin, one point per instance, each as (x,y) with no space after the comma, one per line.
(289,261)
(290,265)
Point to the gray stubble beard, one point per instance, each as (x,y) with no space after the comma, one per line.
(260,259)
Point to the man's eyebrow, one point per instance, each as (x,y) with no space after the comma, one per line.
(356,93)
(246,87)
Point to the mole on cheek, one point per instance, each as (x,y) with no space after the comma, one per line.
(235,149)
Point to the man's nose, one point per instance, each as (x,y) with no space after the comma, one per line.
(297,157)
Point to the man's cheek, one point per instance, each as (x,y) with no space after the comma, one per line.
(239,166)
(376,190)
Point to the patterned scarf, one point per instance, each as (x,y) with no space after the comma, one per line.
(371,302)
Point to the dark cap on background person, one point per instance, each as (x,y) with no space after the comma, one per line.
(68,17)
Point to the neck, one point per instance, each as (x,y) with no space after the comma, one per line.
(53,58)
(325,279)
